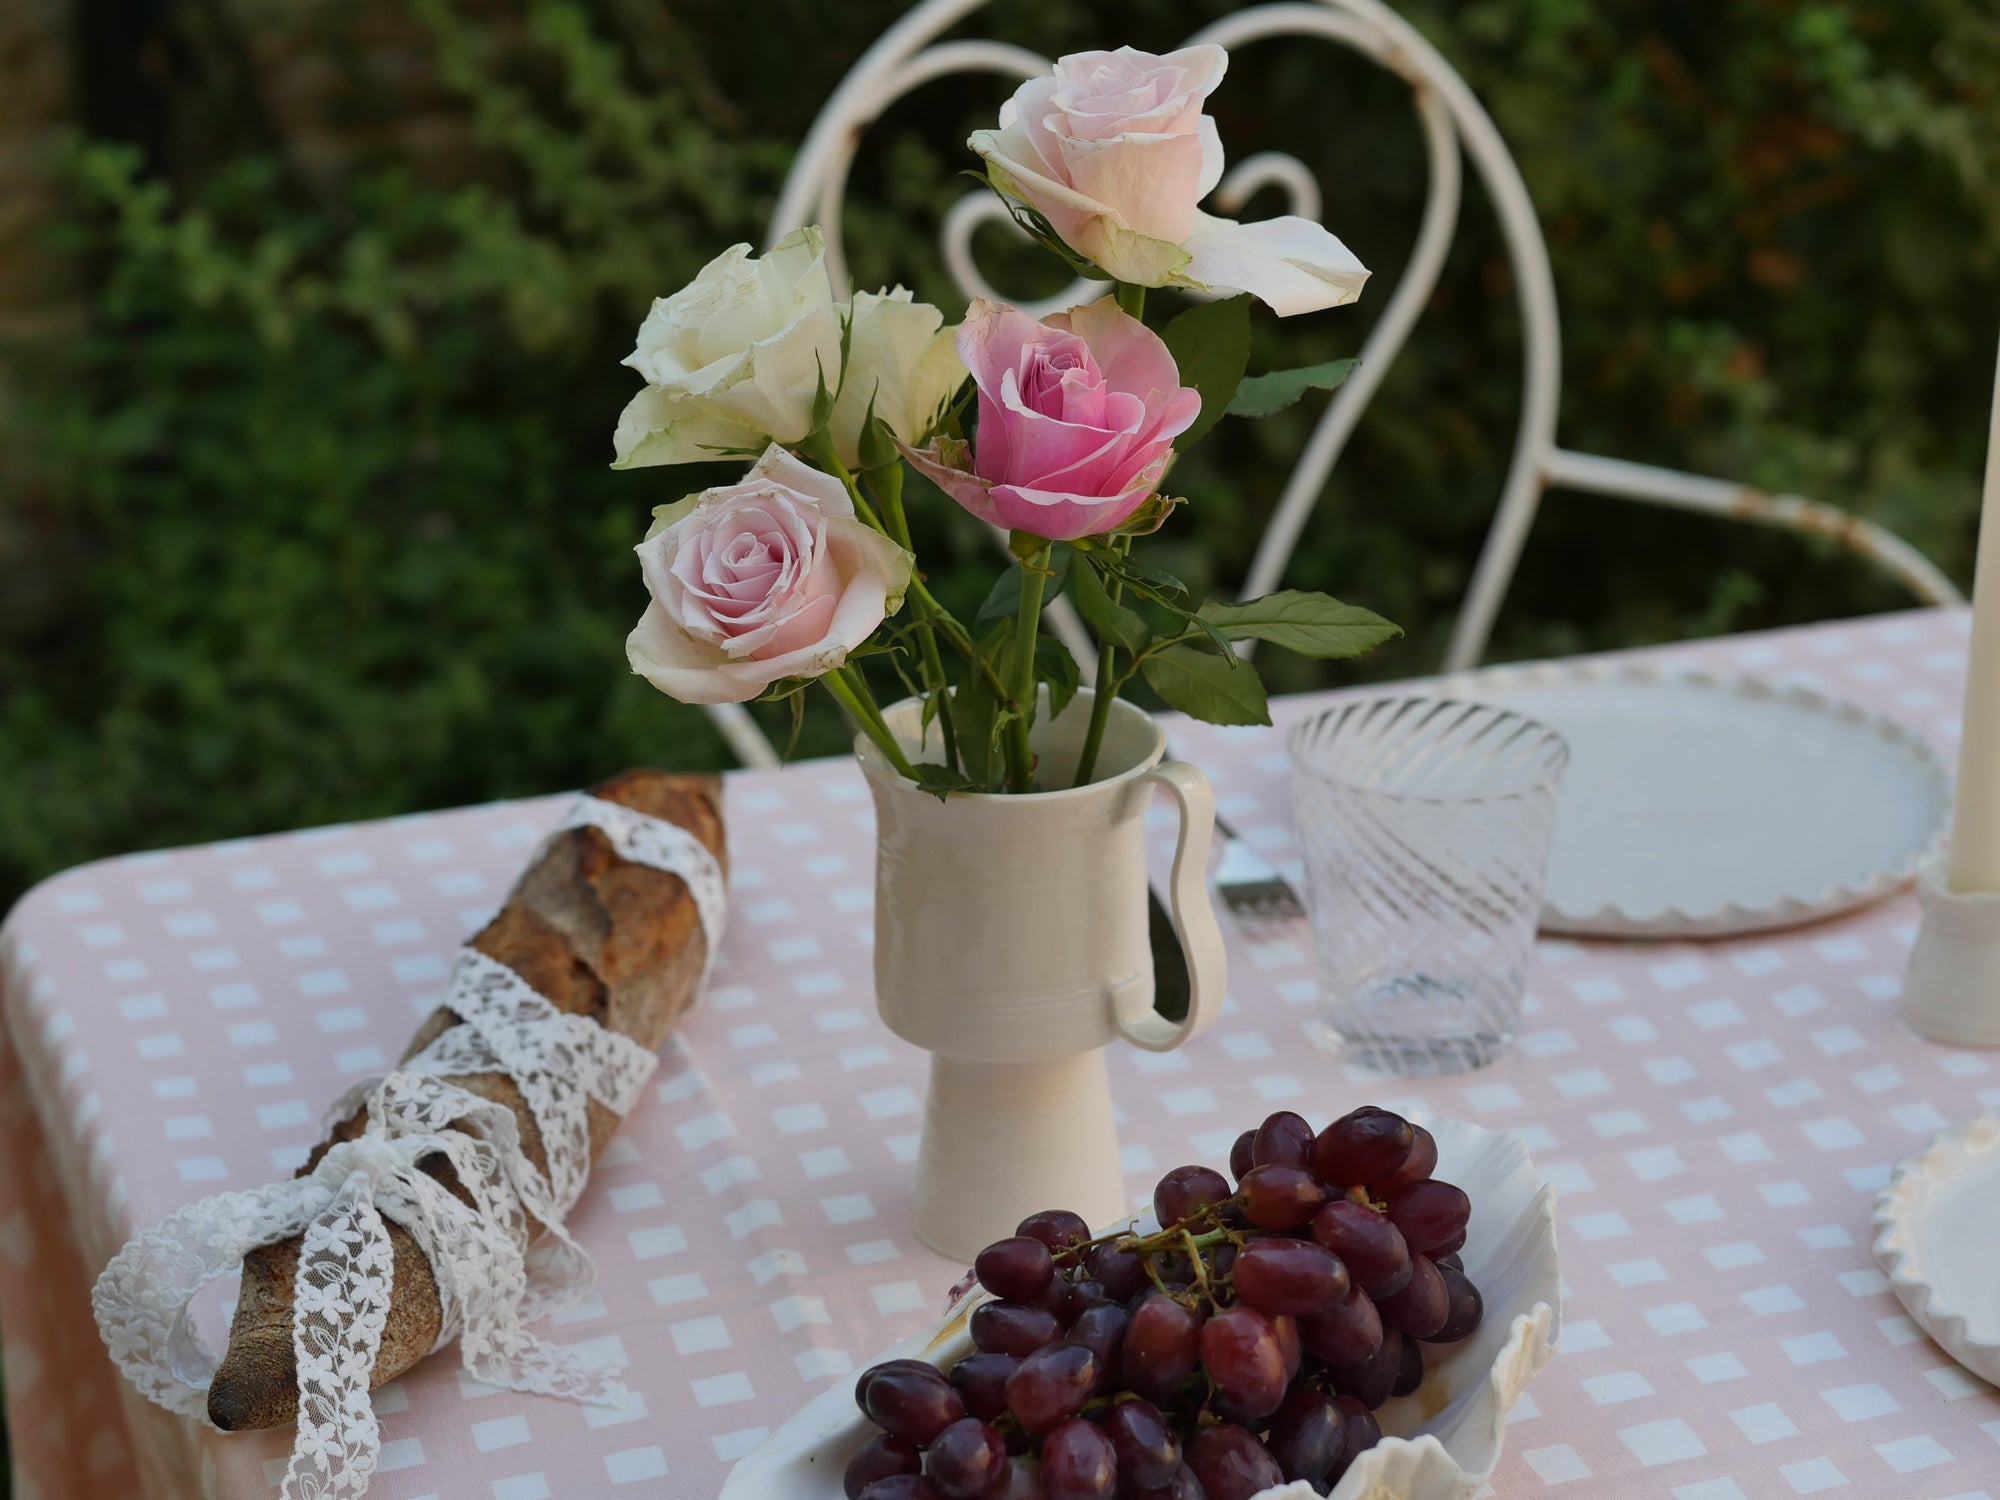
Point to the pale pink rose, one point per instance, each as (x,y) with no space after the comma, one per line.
(1077,419)
(1113,149)
(767,578)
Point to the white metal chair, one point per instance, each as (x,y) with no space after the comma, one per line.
(909,55)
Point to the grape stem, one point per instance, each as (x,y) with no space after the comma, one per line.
(1194,1257)
(1174,1235)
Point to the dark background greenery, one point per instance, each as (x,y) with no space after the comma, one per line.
(312,518)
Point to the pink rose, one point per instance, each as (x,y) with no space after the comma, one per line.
(1113,149)
(767,578)
(1077,419)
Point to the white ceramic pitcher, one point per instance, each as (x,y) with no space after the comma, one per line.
(1011,944)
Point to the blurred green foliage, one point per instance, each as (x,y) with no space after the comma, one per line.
(314,520)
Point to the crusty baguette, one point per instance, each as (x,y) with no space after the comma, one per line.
(597,934)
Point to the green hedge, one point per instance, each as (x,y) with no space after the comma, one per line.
(314,521)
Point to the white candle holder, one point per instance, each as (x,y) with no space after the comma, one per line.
(1951,994)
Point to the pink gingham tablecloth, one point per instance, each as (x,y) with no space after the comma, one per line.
(1717,1118)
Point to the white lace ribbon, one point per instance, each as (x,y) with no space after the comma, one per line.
(490,1281)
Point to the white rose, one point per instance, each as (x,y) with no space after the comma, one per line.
(733,360)
(1114,150)
(902,357)
(767,578)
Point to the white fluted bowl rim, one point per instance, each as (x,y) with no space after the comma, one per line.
(1963,1158)
(1510,1254)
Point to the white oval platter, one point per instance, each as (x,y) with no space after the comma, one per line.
(1701,806)
(1442,1441)
(1937,1223)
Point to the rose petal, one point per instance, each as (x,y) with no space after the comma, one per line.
(900,358)
(1291,264)
(1108,93)
(1151,182)
(828,494)
(680,666)
(760,580)
(1016,169)
(877,573)
(1039,445)
(1063,517)
(967,488)
(1124,254)
(668,346)
(774,392)
(802,624)
(1131,356)
(657,428)
(732,359)
(1211,158)
(1024,124)
(991,338)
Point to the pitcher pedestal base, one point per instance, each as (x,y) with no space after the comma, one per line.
(1004,1140)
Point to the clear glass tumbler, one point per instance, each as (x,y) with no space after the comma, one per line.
(1425,825)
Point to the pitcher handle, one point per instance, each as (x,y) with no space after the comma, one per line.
(1194,921)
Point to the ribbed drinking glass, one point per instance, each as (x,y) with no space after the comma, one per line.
(1425,825)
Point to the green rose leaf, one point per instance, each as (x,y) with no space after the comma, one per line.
(978,715)
(1150,516)
(1261,395)
(1202,685)
(1148,583)
(1113,622)
(1211,344)
(942,781)
(798,705)
(1003,600)
(878,443)
(822,407)
(973,707)
(1316,625)
(1055,666)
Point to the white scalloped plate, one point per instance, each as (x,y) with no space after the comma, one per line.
(1700,806)
(1443,1440)
(1937,1223)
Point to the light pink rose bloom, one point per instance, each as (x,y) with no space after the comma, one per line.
(1077,419)
(1113,149)
(767,578)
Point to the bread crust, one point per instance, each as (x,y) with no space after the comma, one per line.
(599,936)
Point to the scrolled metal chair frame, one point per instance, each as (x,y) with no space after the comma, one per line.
(1455,126)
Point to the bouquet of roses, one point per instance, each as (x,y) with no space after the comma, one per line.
(1064,440)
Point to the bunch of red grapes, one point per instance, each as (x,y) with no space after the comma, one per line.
(1244,1344)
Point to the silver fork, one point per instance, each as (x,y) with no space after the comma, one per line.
(1250,886)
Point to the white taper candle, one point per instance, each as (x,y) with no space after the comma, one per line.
(1975,823)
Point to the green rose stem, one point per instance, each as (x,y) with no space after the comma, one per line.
(887,482)
(1132,300)
(817,448)
(850,690)
(1021,667)
(957,639)
(1107,684)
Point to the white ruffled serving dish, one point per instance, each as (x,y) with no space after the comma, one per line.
(1701,806)
(1440,1443)
(1937,1225)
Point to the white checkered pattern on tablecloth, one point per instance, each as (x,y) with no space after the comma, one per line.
(1716,1117)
